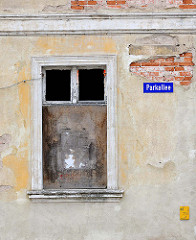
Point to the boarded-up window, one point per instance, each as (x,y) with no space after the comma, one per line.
(75,129)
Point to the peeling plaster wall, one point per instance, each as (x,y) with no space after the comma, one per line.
(156,147)
(178,69)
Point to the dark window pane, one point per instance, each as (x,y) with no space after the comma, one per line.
(91,84)
(58,85)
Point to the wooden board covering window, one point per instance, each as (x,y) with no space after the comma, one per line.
(74,147)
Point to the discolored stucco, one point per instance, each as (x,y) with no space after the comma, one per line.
(156,150)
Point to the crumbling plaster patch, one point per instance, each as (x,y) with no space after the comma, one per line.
(177,69)
(157,40)
(166,42)
(162,59)
(56,8)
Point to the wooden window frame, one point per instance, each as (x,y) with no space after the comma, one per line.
(112,192)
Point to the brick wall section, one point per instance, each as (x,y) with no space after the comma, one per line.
(182,4)
(116,4)
(176,69)
(188,4)
(79,5)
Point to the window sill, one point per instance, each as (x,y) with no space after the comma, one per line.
(77,195)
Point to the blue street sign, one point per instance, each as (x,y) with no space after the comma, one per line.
(161,87)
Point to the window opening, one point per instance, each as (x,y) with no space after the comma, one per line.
(74,132)
(42,131)
(58,85)
(91,84)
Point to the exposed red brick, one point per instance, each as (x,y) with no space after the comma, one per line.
(121,2)
(166,69)
(188,59)
(77,7)
(186,55)
(186,6)
(111,2)
(179,68)
(79,3)
(184,83)
(169,68)
(186,74)
(187,78)
(92,2)
(185,63)
(187,1)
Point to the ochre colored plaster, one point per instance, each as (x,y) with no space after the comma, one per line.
(17,161)
(24,94)
(77,45)
(156,150)
(19,165)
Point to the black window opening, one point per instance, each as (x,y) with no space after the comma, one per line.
(75,85)
(91,85)
(58,85)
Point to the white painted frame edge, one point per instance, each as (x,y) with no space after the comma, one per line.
(110,61)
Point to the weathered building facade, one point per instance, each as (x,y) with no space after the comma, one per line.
(110,166)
